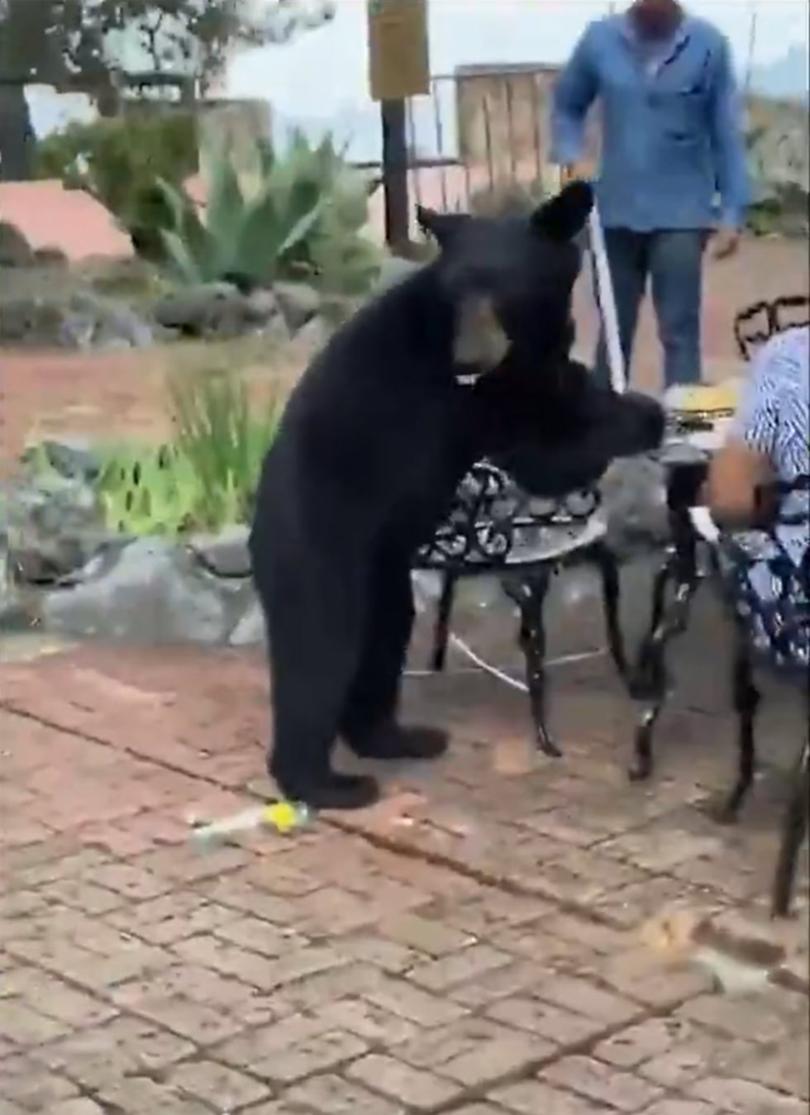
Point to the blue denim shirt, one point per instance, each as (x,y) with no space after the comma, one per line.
(672,137)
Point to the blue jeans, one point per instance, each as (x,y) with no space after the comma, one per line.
(673,261)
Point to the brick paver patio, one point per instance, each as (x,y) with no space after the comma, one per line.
(471,945)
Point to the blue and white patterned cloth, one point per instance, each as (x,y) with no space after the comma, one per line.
(772,590)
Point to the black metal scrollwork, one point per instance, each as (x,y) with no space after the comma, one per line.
(756,324)
(491,515)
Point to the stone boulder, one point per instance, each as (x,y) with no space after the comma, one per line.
(216,310)
(51,257)
(79,320)
(30,320)
(92,321)
(72,458)
(153,591)
(54,526)
(15,251)
(225,554)
(299,303)
(250,630)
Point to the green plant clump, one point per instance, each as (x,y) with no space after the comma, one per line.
(205,478)
(302,220)
(120,160)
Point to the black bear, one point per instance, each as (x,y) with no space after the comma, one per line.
(372,444)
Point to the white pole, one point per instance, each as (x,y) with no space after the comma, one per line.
(752,45)
(607,304)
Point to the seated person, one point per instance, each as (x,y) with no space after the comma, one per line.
(769,442)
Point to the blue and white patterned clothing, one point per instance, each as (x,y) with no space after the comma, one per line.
(774,419)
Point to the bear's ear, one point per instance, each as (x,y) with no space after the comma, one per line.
(444,227)
(564,217)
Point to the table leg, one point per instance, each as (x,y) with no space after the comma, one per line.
(746,702)
(794,832)
(441,631)
(649,683)
(530,596)
(611,589)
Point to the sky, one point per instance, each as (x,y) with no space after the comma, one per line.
(320,80)
(296,77)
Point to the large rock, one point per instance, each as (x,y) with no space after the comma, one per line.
(299,303)
(93,321)
(82,320)
(311,337)
(15,251)
(153,592)
(224,554)
(250,631)
(73,458)
(216,310)
(31,320)
(54,527)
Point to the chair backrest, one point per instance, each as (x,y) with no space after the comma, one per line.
(777,621)
(756,324)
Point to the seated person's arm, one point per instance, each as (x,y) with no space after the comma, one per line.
(744,463)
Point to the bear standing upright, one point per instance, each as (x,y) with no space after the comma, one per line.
(373,442)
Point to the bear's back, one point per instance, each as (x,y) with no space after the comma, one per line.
(378,414)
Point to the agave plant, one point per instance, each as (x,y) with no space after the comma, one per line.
(301,220)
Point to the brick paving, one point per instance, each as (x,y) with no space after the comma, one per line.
(471,945)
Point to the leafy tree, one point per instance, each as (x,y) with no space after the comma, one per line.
(79,44)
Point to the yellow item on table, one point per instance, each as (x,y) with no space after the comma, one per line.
(708,398)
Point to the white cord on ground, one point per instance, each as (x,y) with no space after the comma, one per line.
(618,378)
(487,667)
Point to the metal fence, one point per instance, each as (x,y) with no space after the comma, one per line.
(483,130)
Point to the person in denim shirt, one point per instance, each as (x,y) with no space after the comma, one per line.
(672,142)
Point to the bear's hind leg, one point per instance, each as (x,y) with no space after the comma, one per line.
(315,629)
(369,721)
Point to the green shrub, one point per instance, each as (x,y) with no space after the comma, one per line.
(205,477)
(148,490)
(218,430)
(303,221)
(120,160)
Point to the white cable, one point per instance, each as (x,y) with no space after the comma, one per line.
(500,675)
(606,302)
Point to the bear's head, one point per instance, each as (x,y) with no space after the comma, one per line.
(511,275)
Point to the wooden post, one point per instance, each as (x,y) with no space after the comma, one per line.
(395,173)
(398,68)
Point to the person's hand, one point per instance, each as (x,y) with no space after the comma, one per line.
(575,172)
(726,242)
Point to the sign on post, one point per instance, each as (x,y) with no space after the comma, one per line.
(399,65)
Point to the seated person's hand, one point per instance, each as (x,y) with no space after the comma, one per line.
(737,474)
